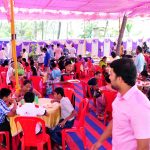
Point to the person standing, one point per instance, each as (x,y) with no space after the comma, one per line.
(130,126)
(25,54)
(139,60)
(58,52)
(72,51)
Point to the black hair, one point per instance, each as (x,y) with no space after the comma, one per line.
(104,57)
(68,62)
(6,62)
(26,82)
(45,49)
(113,54)
(144,73)
(23,59)
(125,69)
(31,62)
(80,56)
(53,65)
(29,97)
(97,72)
(58,44)
(4,92)
(107,78)
(139,49)
(23,49)
(34,72)
(59,90)
(46,46)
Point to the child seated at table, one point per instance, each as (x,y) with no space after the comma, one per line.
(67,115)
(26,87)
(30,109)
(5,111)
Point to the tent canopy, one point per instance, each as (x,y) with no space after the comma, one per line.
(76,9)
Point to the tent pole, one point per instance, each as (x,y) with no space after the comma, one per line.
(84,52)
(13,43)
(121,32)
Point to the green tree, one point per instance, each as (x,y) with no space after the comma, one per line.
(129,28)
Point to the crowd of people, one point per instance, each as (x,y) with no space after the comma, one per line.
(60,65)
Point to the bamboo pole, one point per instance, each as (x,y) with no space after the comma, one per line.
(13,43)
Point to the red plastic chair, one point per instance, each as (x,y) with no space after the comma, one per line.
(37,83)
(79,124)
(6,134)
(29,137)
(3,77)
(69,92)
(109,98)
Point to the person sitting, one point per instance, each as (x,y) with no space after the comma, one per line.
(68,74)
(67,115)
(78,66)
(100,101)
(56,73)
(30,109)
(93,83)
(144,76)
(103,61)
(27,87)
(5,111)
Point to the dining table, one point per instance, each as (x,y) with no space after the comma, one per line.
(51,118)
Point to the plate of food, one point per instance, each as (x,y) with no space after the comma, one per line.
(73,81)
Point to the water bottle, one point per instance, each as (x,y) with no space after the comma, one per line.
(36,100)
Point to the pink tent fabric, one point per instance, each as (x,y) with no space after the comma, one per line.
(77,9)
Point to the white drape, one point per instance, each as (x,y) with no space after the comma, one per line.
(94,52)
(106,47)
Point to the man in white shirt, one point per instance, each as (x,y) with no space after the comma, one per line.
(30,109)
(72,51)
(67,115)
(139,60)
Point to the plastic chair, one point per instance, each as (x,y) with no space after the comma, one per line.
(37,83)
(78,125)
(109,98)
(6,134)
(3,77)
(69,92)
(29,137)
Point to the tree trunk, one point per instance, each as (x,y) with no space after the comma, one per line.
(35,30)
(59,29)
(42,27)
(105,30)
(67,30)
(124,21)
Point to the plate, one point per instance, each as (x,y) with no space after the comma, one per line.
(73,81)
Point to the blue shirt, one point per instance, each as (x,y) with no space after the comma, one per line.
(51,52)
(139,62)
(46,59)
(56,73)
(4,109)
